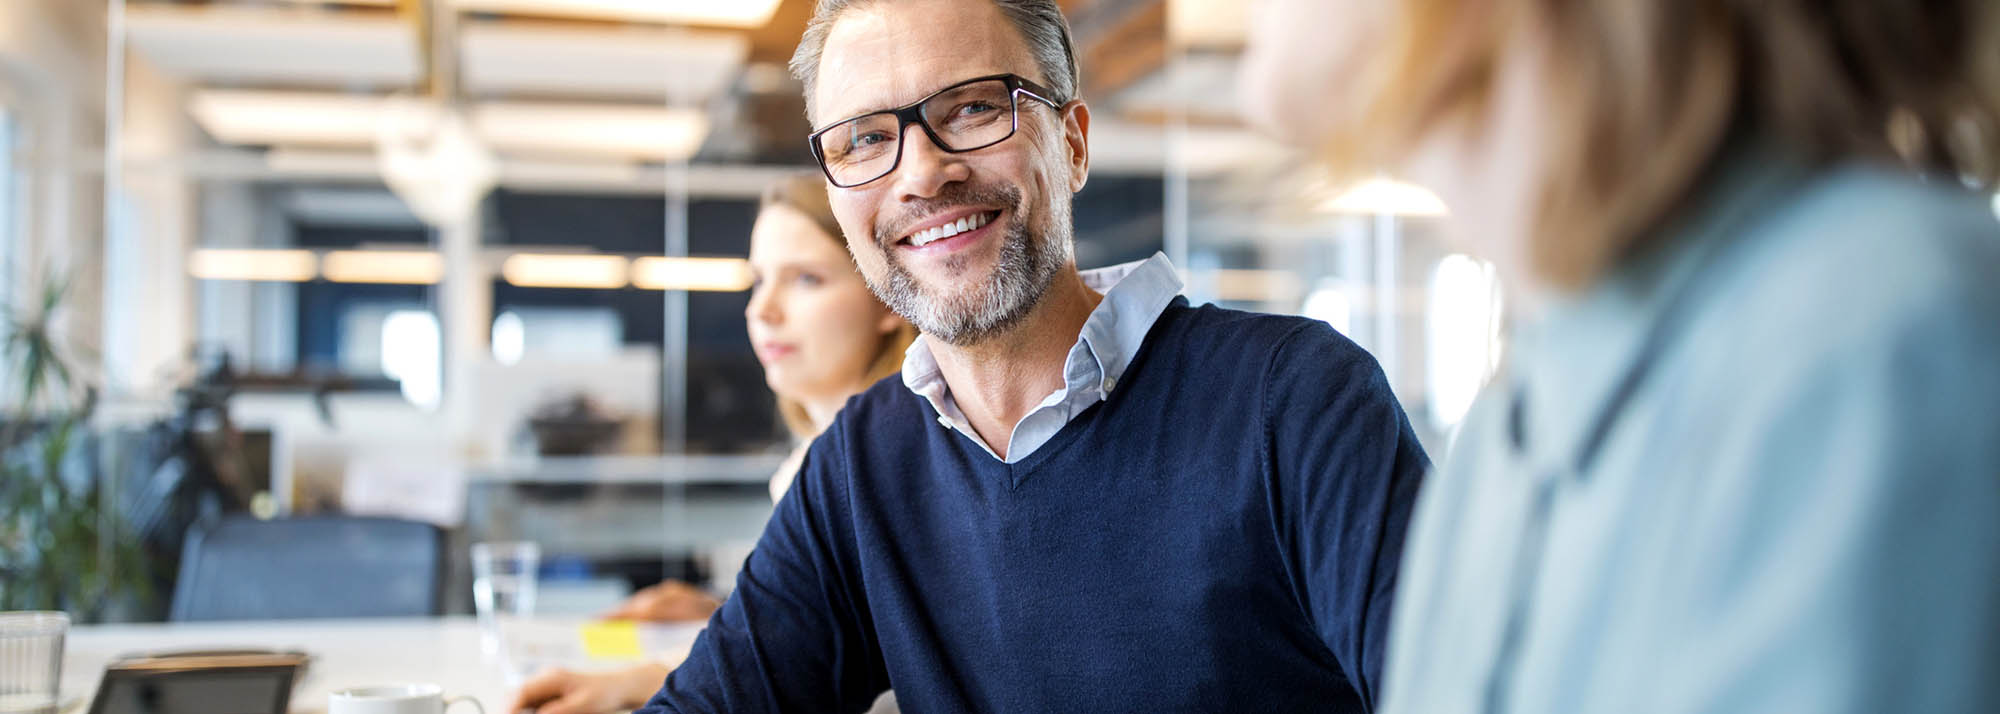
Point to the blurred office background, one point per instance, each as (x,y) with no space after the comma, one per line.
(481,267)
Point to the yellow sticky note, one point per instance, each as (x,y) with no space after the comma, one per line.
(611,639)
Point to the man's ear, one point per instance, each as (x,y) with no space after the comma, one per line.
(1076,134)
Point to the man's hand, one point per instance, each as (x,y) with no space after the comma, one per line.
(669,601)
(560,691)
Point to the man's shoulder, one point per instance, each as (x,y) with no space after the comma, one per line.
(1259,337)
(887,399)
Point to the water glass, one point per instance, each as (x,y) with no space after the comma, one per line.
(503,594)
(31,651)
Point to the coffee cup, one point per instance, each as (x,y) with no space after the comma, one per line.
(395,699)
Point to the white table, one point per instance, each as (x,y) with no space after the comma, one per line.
(352,653)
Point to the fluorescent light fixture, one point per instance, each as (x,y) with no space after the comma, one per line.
(713,274)
(287,266)
(321,119)
(398,267)
(301,118)
(1381,196)
(240,44)
(648,64)
(721,13)
(533,270)
(651,132)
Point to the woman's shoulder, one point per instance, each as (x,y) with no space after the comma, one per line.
(1859,254)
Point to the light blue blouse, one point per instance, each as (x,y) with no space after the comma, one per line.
(1755,470)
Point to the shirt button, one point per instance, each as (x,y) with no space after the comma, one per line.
(1110,384)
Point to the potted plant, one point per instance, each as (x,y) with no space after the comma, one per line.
(63,546)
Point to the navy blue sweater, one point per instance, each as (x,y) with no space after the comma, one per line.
(1221,533)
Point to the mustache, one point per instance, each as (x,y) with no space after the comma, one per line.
(952,196)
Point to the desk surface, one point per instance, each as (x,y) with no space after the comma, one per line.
(346,653)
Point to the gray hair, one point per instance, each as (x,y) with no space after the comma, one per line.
(1040,22)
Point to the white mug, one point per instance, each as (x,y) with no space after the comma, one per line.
(394,699)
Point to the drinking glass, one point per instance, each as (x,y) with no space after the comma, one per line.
(503,594)
(31,651)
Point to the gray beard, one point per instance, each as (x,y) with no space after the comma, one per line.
(1028,265)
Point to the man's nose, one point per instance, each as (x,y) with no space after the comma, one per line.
(925,167)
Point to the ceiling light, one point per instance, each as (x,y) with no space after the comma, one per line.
(531,270)
(320,119)
(715,274)
(298,118)
(652,64)
(1380,196)
(292,266)
(400,267)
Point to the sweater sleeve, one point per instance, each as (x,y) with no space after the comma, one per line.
(793,636)
(1345,468)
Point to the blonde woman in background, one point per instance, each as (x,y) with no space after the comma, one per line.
(1744,455)
(821,337)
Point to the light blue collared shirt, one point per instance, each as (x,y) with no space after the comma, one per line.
(1134,296)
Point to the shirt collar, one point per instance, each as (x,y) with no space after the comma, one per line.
(1135,294)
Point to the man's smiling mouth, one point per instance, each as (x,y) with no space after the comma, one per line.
(947,229)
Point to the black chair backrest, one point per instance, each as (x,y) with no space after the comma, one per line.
(242,568)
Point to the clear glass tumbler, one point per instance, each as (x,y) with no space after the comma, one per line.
(503,594)
(31,652)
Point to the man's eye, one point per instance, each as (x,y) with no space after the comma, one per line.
(975,108)
(869,139)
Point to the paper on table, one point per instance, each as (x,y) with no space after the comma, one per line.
(626,640)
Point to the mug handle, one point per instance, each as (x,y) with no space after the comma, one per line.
(475,703)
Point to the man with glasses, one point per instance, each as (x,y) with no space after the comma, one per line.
(1083,494)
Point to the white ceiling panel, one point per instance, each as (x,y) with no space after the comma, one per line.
(657,64)
(230,44)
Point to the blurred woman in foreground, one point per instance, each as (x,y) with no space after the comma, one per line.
(1744,456)
(821,337)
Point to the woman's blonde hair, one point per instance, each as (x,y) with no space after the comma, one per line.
(1644,94)
(806,193)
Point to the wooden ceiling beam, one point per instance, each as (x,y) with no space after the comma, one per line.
(1118,42)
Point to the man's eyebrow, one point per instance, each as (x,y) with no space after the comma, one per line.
(876,109)
(879,109)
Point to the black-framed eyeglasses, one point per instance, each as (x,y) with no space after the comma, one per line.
(968,116)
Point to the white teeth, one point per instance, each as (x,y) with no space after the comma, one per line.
(930,235)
